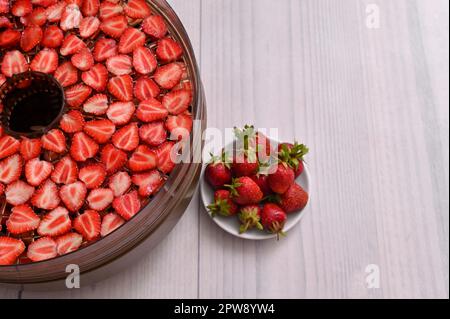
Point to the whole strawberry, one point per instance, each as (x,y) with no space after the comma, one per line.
(223,204)
(273,218)
(294,199)
(250,217)
(244,191)
(263,182)
(281,179)
(245,162)
(293,154)
(244,166)
(218,172)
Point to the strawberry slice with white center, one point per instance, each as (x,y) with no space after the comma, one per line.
(14,63)
(105,48)
(179,126)
(167,157)
(120,113)
(55,11)
(110,9)
(97,104)
(121,87)
(9,38)
(168,76)
(54,141)
(93,176)
(37,171)
(146,89)
(31,37)
(142,159)
(46,196)
(65,172)
(100,130)
(83,147)
(127,138)
(127,205)
(53,37)
(148,183)
(153,134)
(10,250)
(131,39)
(8,146)
(77,94)
(110,223)
(46,61)
(71,17)
(83,60)
(37,17)
(4,6)
(72,122)
(90,7)
(71,45)
(137,9)
(88,224)
(155,27)
(30,148)
(18,193)
(177,101)
(151,110)
(89,26)
(68,243)
(42,249)
(11,169)
(100,198)
(73,195)
(22,219)
(113,158)
(119,64)
(66,74)
(168,50)
(114,26)
(96,77)
(21,8)
(119,183)
(144,61)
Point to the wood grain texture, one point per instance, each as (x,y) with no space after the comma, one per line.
(372,104)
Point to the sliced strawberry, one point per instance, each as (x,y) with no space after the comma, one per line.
(127,205)
(30,148)
(153,134)
(146,89)
(37,17)
(43,3)
(104,49)
(31,36)
(66,171)
(167,155)
(90,7)
(77,94)
(8,146)
(119,64)
(148,183)
(54,141)
(4,6)
(113,158)
(14,63)
(127,138)
(46,61)
(120,113)
(151,110)
(55,223)
(179,126)
(37,171)
(121,87)
(109,9)
(155,26)
(42,249)
(100,198)
(71,45)
(11,169)
(142,159)
(18,193)
(46,196)
(110,223)
(83,147)
(5,23)
(100,130)
(83,60)
(53,37)
(70,18)
(54,12)
(168,76)
(66,74)
(68,243)
(144,61)
(9,38)
(10,250)
(22,220)
(120,183)
(131,39)
(97,104)
(177,102)
(96,77)
(73,195)
(168,50)
(72,122)
(92,176)
(137,9)
(21,8)
(88,224)
(114,26)
(89,26)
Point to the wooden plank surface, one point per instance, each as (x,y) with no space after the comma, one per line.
(372,104)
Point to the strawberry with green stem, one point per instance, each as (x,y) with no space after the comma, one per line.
(223,204)
(250,217)
(245,162)
(273,218)
(293,155)
(244,191)
(218,172)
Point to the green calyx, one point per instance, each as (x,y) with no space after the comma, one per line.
(233,187)
(249,219)
(224,159)
(221,207)
(244,136)
(277,228)
(292,156)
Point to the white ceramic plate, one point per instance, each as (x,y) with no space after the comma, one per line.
(231,224)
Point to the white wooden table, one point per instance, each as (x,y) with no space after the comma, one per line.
(372,104)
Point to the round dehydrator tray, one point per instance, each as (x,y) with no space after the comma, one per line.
(147,228)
